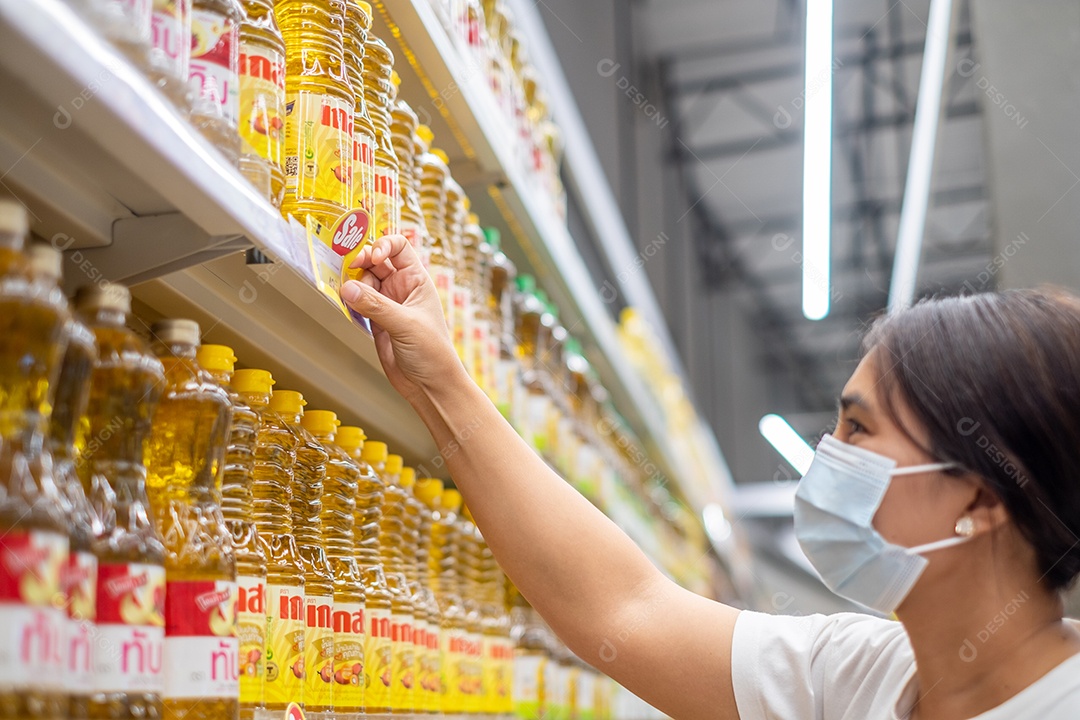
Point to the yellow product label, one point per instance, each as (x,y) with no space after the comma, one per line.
(251,631)
(431,679)
(262,100)
(420,633)
(473,683)
(319,652)
(363,171)
(404,653)
(387,205)
(378,656)
(348,657)
(318,148)
(453,700)
(284,645)
(488,673)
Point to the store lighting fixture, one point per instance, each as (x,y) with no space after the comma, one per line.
(909,235)
(787,442)
(817,159)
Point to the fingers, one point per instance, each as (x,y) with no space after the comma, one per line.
(394,250)
(372,304)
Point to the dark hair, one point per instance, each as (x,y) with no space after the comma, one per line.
(995,380)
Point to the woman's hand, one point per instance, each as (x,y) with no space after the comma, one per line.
(399,298)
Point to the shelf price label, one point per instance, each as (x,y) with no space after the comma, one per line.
(332,250)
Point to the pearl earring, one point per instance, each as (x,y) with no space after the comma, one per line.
(965,526)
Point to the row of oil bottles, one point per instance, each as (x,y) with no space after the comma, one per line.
(303,97)
(179,540)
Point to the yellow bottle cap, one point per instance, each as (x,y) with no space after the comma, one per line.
(320,422)
(374,452)
(216,358)
(350,437)
(451,500)
(287,402)
(366,7)
(468,206)
(439,153)
(395,78)
(253,381)
(474,219)
(394,464)
(429,491)
(425,134)
(408,477)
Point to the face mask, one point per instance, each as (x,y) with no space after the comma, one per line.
(835,505)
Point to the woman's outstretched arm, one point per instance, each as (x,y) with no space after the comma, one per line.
(585,577)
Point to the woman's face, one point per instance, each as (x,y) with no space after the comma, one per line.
(917,508)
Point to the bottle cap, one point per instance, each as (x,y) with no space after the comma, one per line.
(526,284)
(216,358)
(259,382)
(429,491)
(439,153)
(13,217)
(394,464)
(366,7)
(350,437)
(451,500)
(493,237)
(425,134)
(176,332)
(287,402)
(474,219)
(320,422)
(374,452)
(468,206)
(408,477)
(106,296)
(45,260)
(395,78)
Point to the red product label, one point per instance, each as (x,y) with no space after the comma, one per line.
(381,627)
(201,649)
(131,594)
(128,656)
(350,232)
(201,608)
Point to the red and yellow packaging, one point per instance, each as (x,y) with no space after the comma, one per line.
(262,100)
(251,637)
(78,583)
(201,648)
(318,149)
(348,656)
(378,656)
(319,651)
(285,621)
(131,622)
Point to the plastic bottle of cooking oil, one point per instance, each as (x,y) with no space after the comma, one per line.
(429,492)
(469,577)
(126,23)
(215,73)
(185,457)
(424,603)
(237,500)
(357,26)
(433,171)
(392,543)
(307,490)
(275,461)
(378,652)
(531,333)
(262,99)
(503,353)
(78,578)
(379,91)
(403,134)
(477,259)
(456,215)
(169,56)
(34,538)
(319,107)
(444,568)
(125,386)
(495,624)
(338,519)
(530,658)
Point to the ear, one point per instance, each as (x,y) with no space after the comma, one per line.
(986,511)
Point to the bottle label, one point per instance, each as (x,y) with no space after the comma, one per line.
(318,148)
(131,628)
(319,651)
(474,672)
(387,202)
(363,171)
(422,665)
(527,674)
(434,667)
(215,63)
(443,277)
(453,698)
(403,656)
(480,331)
(32,618)
(170,39)
(251,635)
(262,100)
(137,21)
(348,657)
(284,644)
(201,649)
(488,664)
(462,321)
(539,408)
(78,583)
(378,656)
(504,384)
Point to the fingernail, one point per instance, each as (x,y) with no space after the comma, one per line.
(350,291)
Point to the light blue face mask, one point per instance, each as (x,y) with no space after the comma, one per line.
(835,505)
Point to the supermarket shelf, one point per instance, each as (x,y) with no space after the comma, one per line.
(111,174)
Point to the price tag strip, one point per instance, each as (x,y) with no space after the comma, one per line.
(332,250)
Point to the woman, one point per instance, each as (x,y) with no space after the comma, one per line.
(967,411)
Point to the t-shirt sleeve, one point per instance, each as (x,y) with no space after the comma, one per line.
(817,667)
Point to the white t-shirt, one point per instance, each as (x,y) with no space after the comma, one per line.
(856,667)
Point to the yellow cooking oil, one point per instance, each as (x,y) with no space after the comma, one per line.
(425,608)
(428,493)
(214,73)
(125,385)
(283,599)
(443,570)
(403,136)
(358,19)
(378,641)
(456,215)
(319,108)
(379,91)
(469,577)
(392,542)
(478,320)
(237,506)
(262,99)
(432,170)
(338,520)
(34,537)
(185,457)
(505,369)
(307,491)
(498,650)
